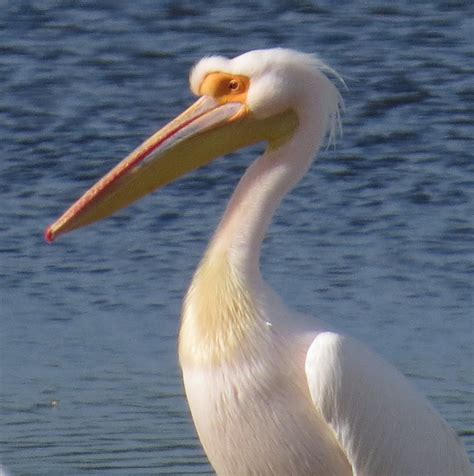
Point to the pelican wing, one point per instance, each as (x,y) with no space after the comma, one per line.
(382,424)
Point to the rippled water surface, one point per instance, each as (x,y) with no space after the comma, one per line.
(377,239)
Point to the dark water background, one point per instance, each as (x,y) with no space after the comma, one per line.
(377,239)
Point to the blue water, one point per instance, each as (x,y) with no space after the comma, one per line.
(377,239)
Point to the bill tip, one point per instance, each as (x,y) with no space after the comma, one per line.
(48,235)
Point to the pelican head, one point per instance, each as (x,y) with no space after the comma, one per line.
(260,96)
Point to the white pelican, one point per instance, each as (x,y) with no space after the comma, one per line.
(269,393)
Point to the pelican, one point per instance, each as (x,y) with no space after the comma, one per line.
(271,392)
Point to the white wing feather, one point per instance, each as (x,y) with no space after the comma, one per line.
(382,424)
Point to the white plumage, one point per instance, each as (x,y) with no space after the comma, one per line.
(294,399)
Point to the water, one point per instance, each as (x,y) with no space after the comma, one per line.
(377,238)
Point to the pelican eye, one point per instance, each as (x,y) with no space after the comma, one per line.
(234,85)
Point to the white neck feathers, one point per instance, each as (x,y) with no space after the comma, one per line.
(222,309)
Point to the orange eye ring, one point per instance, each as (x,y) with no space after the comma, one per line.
(225,87)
